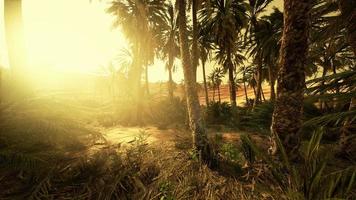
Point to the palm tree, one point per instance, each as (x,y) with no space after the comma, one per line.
(15,42)
(255,8)
(288,111)
(168,34)
(215,78)
(200,140)
(348,14)
(138,20)
(205,45)
(269,35)
(195,50)
(224,19)
(247,73)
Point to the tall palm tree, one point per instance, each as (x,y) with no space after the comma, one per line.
(247,73)
(348,13)
(138,20)
(205,45)
(168,34)
(255,8)
(224,19)
(288,111)
(200,139)
(195,50)
(215,79)
(15,42)
(269,36)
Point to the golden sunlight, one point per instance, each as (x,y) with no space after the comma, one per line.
(71,36)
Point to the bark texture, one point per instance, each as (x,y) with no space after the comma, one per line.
(348,12)
(232,85)
(195,53)
(288,112)
(200,140)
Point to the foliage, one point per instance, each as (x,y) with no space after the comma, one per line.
(309,179)
(218,113)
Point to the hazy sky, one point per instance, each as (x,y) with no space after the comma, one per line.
(73,35)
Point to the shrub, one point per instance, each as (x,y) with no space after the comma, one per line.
(310,179)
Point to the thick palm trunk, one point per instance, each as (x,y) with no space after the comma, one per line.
(200,140)
(15,42)
(271,84)
(348,10)
(195,53)
(205,85)
(288,112)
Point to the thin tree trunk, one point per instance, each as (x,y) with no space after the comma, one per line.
(219,94)
(271,83)
(205,85)
(246,97)
(170,84)
(245,89)
(231,79)
(263,94)
(213,94)
(170,81)
(147,82)
(259,84)
(254,91)
(288,112)
(200,139)
(322,83)
(195,53)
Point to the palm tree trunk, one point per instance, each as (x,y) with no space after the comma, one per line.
(271,83)
(348,8)
(246,97)
(205,85)
(15,43)
(170,81)
(245,89)
(219,94)
(263,95)
(288,112)
(259,84)
(213,94)
(322,83)
(147,82)
(231,79)
(200,139)
(195,53)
